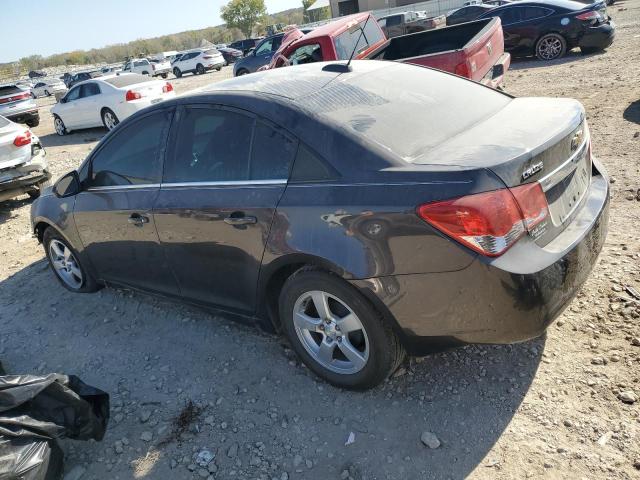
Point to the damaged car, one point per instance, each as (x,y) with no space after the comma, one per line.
(23,163)
(332,215)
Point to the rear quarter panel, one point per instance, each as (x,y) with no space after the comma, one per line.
(364,230)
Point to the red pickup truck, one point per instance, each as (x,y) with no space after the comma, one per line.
(473,50)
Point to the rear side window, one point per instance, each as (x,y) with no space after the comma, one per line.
(89,90)
(134,155)
(531,13)
(271,154)
(212,146)
(308,167)
(510,15)
(395,20)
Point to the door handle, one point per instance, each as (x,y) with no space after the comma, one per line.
(138,220)
(239,218)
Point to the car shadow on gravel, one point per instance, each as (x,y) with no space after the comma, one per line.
(155,355)
(632,112)
(8,206)
(73,138)
(521,63)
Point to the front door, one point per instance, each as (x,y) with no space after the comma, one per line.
(114,212)
(220,188)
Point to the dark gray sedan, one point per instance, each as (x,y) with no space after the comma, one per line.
(363,213)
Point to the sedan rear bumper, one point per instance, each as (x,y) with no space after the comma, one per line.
(599,37)
(509,299)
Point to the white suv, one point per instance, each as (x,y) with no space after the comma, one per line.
(198,61)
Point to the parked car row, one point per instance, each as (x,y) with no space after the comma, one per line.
(546,28)
(342,225)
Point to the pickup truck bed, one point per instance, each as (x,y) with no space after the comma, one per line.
(473,50)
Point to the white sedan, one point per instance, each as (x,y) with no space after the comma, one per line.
(105,101)
(47,87)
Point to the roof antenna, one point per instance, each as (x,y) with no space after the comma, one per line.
(344,68)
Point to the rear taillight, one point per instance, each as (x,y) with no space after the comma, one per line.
(23,139)
(207,57)
(167,88)
(131,95)
(462,69)
(591,16)
(491,222)
(15,98)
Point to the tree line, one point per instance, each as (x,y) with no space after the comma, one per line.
(176,41)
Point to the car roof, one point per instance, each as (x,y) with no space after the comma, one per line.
(371,101)
(566,4)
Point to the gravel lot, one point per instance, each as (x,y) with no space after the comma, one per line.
(561,406)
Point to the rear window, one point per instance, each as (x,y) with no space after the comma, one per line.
(9,90)
(129,79)
(404,109)
(346,41)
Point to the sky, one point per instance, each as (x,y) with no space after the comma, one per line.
(44,27)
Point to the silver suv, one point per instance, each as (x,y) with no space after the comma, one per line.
(17,104)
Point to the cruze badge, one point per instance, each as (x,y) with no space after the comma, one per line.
(576,141)
(532,170)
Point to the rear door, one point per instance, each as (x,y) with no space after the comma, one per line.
(113,213)
(221,185)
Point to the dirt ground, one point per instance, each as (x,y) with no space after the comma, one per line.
(549,408)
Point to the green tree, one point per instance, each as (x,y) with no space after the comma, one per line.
(243,14)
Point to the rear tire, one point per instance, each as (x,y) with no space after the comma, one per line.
(241,72)
(349,345)
(551,46)
(33,123)
(218,69)
(200,69)
(177,72)
(68,269)
(109,119)
(145,73)
(163,75)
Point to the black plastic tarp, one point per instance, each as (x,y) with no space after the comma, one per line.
(37,410)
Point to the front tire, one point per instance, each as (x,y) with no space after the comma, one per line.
(33,123)
(58,125)
(200,69)
(177,72)
(109,119)
(336,332)
(241,72)
(64,261)
(551,46)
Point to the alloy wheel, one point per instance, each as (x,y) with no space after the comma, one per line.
(59,126)
(331,332)
(550,48)
(110,120)
(65,264)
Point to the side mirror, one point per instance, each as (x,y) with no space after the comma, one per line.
(68,185)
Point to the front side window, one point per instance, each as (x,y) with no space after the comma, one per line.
(212,146)
(265,47)
(510,15)
(134,155)
(73,94)
(532,13)
(306,54)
